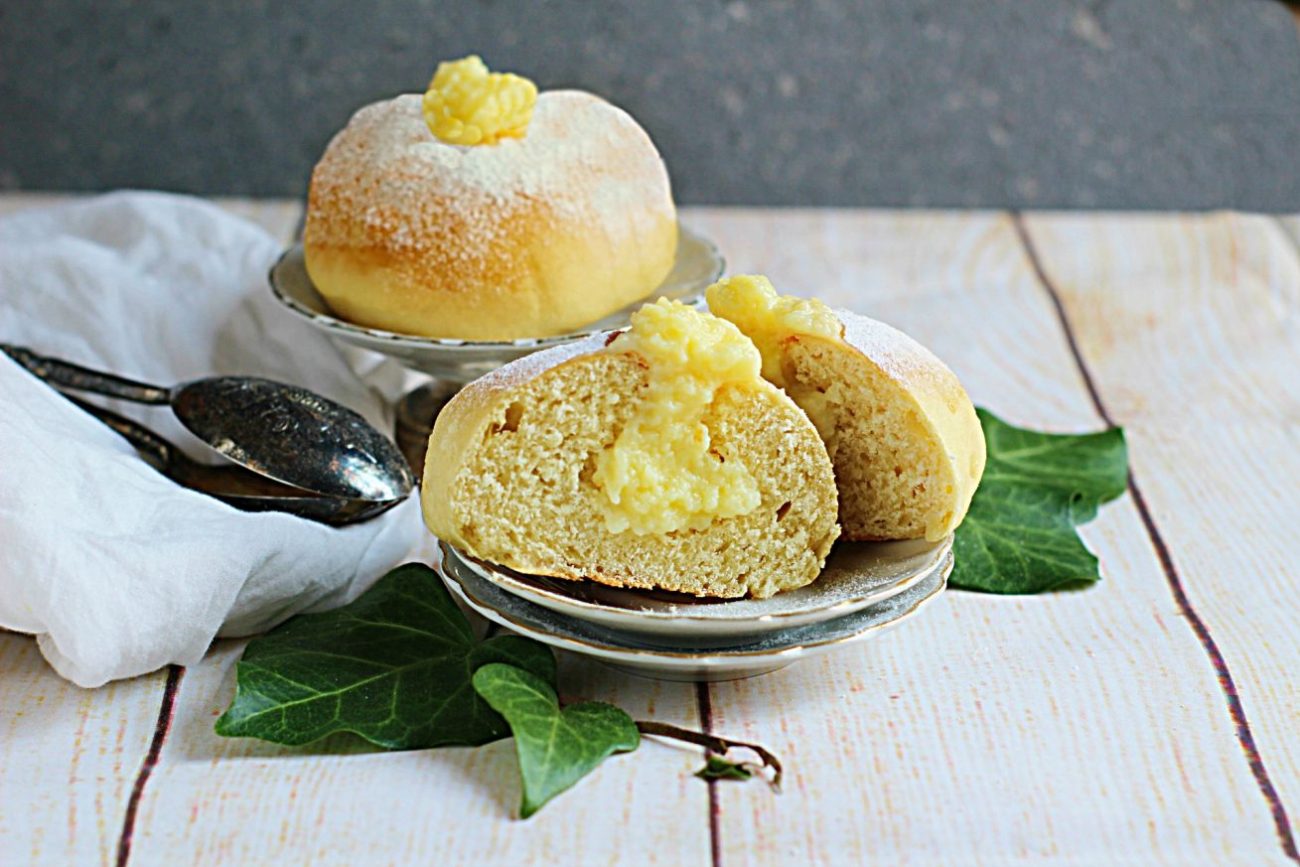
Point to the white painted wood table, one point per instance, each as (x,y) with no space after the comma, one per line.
(1151,719)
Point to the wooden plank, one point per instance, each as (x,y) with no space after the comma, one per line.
(68,758)
(1291,225)
(279,217)
(218,801)
(12,203)
(1191,328)
(1082,727)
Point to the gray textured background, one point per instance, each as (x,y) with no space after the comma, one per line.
(1032,103)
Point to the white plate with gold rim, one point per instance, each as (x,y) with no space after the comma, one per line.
(698,264)
(857,575)
(746,658)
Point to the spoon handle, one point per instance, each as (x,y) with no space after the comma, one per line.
(152,447)
(64,374)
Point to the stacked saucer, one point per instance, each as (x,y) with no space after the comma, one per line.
(865,588)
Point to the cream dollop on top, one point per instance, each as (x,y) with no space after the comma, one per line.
(466,104)
(768,319)
(662,473)
(753,305)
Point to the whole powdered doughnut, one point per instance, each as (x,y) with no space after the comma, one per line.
(527,237)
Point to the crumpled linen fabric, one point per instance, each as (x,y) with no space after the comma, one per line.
(117,570)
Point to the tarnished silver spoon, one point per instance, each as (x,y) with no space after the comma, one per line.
(280,431)
(231,484)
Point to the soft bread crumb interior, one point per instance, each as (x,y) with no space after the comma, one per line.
(524,497)
(894,480)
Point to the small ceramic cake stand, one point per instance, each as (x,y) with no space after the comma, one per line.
(452,363)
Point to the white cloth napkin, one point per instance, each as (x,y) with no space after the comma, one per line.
(117,570)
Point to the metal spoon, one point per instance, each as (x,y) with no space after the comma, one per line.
(234,485)
(280,431)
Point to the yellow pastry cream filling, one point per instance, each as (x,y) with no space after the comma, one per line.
(662,472)
(468,105)
(768,319)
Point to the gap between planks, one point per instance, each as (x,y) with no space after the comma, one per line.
(704,700)
(166,713)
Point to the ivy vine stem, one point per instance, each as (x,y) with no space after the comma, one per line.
(714,744)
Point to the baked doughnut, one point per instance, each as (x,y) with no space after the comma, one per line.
(661,460)
(482,211)
(907,446)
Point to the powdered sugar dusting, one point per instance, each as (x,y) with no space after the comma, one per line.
(523,370)
(582,161)
(898,356)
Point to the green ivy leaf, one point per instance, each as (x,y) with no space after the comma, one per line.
(1019,535)
(393,666)
(718,768)
(556,748)
(1092,468)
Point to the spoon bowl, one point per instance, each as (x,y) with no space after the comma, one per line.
(294,436)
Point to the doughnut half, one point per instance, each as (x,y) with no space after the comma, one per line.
(512,456)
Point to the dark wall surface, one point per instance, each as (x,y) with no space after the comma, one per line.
(1028,103)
